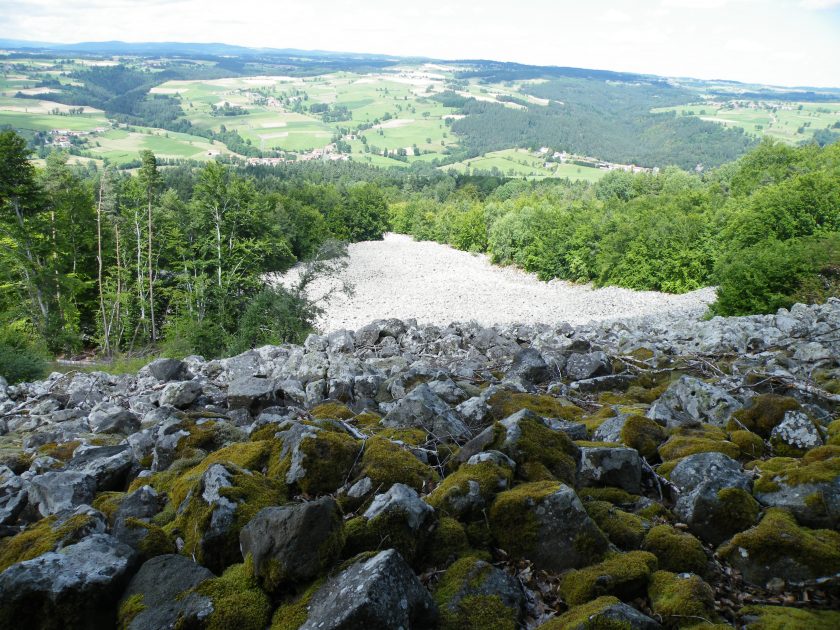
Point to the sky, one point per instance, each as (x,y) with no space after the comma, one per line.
(781,42)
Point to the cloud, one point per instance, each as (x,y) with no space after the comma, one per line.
(820,4)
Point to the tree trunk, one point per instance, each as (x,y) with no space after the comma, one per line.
(151,277)
(105,329)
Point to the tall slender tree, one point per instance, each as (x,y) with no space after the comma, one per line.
(151,180)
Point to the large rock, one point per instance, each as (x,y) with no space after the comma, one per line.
(293,543)
(715,500)
(56,491)
(529,367)
(252,391)
(108,465)
(161,585)
(403,500)
(13,496)
(110,418)
(690,402)
(74,588)
(586,366)
(424,409)
(471,585)
(181,394)
(166,370)
(380,593)
(605,466)
(795,434)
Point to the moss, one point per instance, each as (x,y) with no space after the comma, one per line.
(750,444)
(737,507)
(624,575)
(504,403)
(328,459)
(155,542)
(541,454)
(490,477)
(513,522)
(679,446)
(108,503)
(655,510)
(676,551)
(616,496)
(834,433)
(369,420)
(293,614)
(129,608)
(265,432)
(238,601)
(331,411)
(783,618)
(778,535)
(48,534)
(63,452)
(447,542)
(415,437)
(461,603)
(587,617)
(681,600)
(643,434)
(765,412)
(817,466)
(387,531)
(624,530)
(387,463)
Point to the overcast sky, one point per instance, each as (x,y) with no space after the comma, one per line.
(786,42)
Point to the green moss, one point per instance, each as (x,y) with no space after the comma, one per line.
(834,433)
(749,444)
(817,466)
(108,503)
(328,458)
(737,507)
(415,437)
(643,434)
(778,535)
(616,496)
(265,432)
(624,575)
(681,600)
(490,477)
(237,600)
(679,446)
(504,403)
(155,542)
(129,609)
(387,463)
(587,617)
(387,531)
(513,522)
(369,420)
(63,452)
(293,614)
(655,510)
(783,618)
(331,411)
(447,542)
(676,551)
(624,530)
(765,412)
(461,604)
(540,453)
(46,535)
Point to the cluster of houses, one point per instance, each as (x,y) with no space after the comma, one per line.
(329,152)
(563,158)
(63,137)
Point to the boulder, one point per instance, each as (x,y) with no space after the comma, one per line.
(76,587)
(252,391)
(181,394)
(586,366)
(529,367)
(795,434)
(606,612)
(57,491)
(166,370)
(606,466)
(13,496)
(108,465)
(690,402)
(403,500)
(424,409)
(294,543)
(110,418)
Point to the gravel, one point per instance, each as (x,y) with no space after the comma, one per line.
(436,284)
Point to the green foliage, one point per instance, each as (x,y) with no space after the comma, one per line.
(274,316)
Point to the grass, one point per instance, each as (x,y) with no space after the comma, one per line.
(523,163)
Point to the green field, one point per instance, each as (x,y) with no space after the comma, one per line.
(121,146)
(523,163)
(788,122)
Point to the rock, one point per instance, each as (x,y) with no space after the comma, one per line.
(424,409)
(813,352)
(181,394)
(316,460)
(166,370)
(251,391)
(108,465)
(529,367)
(13,497)
(294,543)
(605,466)
(403,500)
(142,504)
(606,612)
(110,418)
(795,434)
(546,523)
(379,593)
(575,430)
(57,491)
(74,588)
(690,402)
(160,587)
(715,500)
(585,366)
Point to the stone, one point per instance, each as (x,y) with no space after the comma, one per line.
(529,367)
(405,500)
(690,402)
(606,466)
(110,418)
(477,585)
(379,593)
(56,491)
(166,370)
(13,496)
(76,587)
(181,394)
(108,465)
(586,366)
(250,391)
(422,408)
(293,544)
(796,432)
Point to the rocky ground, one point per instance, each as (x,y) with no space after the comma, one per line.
(405,476)
(436,284)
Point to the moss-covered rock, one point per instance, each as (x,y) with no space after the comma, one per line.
(765,412)
(473,593)
(506,403)
(546,522)
(682,445)
(237,601)
(386,463)
(750,444)
(676,551)
(784,618)
(681,599)
(623,575)
(779,547)
(331,411)
(148,539)
(540,453)
(446,543)
(313,459)
(625,530)
(466,493)
(643,434)
(616,496)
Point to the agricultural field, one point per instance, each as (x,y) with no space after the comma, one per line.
(788,122)
(523,163)
(121,146)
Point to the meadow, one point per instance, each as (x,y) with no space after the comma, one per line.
(523,163)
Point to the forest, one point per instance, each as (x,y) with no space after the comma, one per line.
(174,260)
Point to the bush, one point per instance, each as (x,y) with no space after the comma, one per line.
(185,336)
(21,353)
(274,316)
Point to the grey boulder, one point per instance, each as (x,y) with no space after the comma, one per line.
(424,409)
(605,466)
(181,394)
(110,418)
(690,402)
(57,491)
